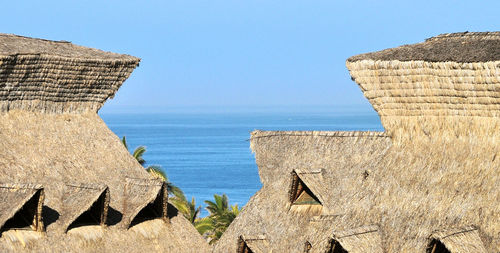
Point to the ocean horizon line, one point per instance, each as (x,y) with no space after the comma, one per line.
(311,109)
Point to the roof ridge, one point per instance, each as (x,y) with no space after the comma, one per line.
(262,134)
(33,38)
(485,35)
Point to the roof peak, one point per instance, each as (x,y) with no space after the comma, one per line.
(33,38)
(463,47)
(466,34)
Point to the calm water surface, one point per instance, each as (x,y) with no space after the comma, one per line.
(208,153)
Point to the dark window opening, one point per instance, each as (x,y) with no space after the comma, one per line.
(154,210)
(335,247)
(437,247)
(307,247)
(301,194)
(243,247)
(96,215)
(26,218)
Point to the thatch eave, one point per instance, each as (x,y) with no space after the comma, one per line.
(139,193)
(79,198)
(256,243)
(463,239)
(14,198)
(361,239)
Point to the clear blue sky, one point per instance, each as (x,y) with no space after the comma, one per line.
(228,54)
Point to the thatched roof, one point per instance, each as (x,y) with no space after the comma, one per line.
(448,82)
(433,170)
(362,239)
(465,239)
(81,198)
(256,243)
(57,140)
(334,165)
(11,45)
(57,76)
(455,47)
(21,203)
(141,193)
(409,191)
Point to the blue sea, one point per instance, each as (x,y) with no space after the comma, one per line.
(209,153)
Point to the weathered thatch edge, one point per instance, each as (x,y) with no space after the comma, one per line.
(360,239)
(436,99)
(257,134)
(256,243)
(355,231)
(155,187)
(62,89)
(99,191)
(126,60)
(75,52)
(479,35)
(454,243)
(265,134)
(36,189)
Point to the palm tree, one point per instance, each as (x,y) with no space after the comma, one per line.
(205,226)
(188,209)
(138,152)
(154,170)
(157,172)
(221,216)
(219,206)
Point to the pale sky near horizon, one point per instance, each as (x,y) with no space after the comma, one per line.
(252,54)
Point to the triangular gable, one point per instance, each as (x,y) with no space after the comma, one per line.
(309,182)
(303,197)
(456,240)
(85,205)
(21,207)
(253,244)
(361,239)
(145,199)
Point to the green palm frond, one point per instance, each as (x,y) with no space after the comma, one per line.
(173,190)
(235,210)
(221,216)
(188,209)
(218,206)
(156,172)
(138,152)
(124,141)
(204,225)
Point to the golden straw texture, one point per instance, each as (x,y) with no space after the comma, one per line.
(435,167)
(336,164)
(56,77)
(51,135)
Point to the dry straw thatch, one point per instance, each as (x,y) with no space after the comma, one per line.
(434,169)
(465,239)
(84,204)
(328,162)
(358,240)
(50,134)
(151,202)
(254,244)
(21,206)
(57,76)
